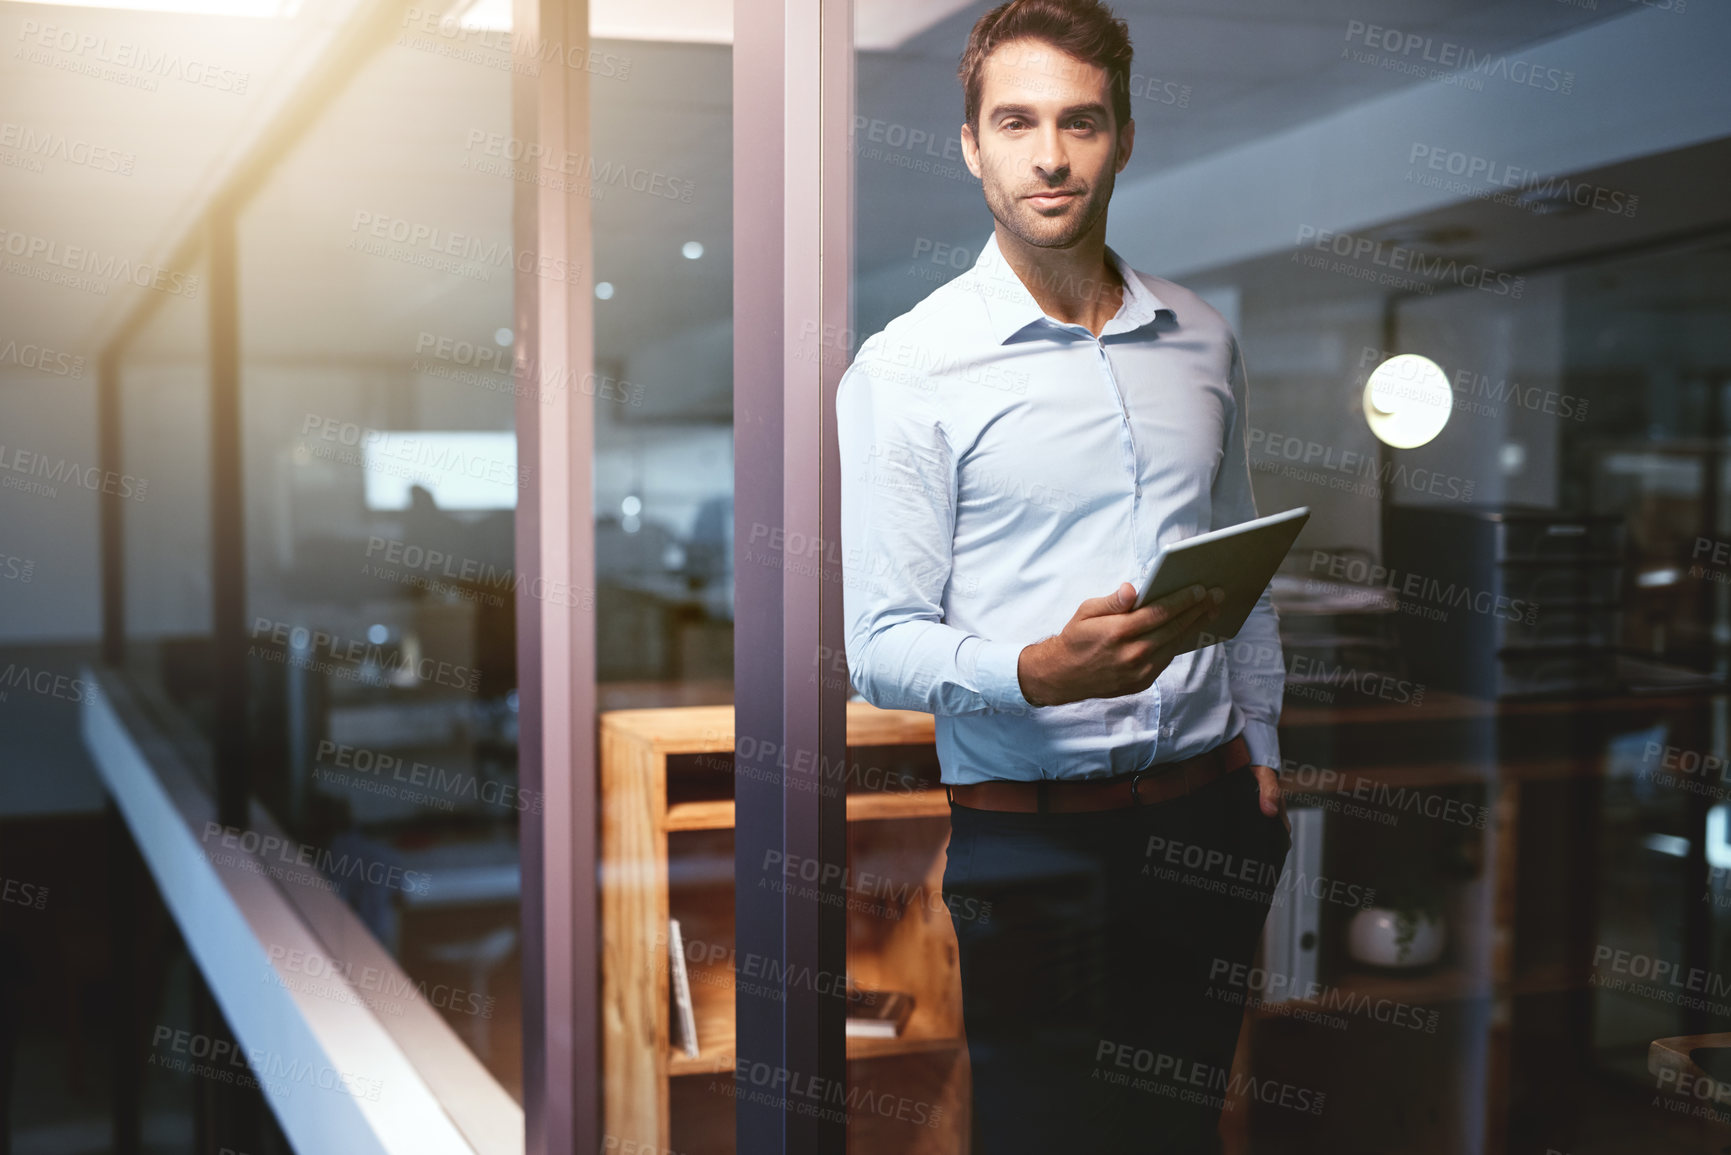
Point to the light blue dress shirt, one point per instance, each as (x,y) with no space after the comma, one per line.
(998,468)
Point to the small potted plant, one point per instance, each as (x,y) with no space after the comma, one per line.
(1405,930)
(1426,868)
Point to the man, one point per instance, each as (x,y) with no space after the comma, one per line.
(1032,432)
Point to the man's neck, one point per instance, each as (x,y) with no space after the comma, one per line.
(1076,285)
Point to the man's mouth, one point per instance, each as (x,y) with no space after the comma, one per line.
(1047,200)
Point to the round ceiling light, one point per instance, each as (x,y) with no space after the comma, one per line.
(1407,400)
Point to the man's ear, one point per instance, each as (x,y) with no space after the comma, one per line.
(970,149)
(1126,144)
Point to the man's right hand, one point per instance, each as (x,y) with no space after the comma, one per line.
(1108,650)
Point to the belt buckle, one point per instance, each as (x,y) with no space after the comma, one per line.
(1157,770)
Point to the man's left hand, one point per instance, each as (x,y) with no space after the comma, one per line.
(1268,782)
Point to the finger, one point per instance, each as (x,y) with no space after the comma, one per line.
(1163,610)
(1116,602)
(1164,635)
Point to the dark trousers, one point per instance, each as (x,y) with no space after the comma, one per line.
(1096,952)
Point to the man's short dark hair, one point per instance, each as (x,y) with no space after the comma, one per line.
(1085,29)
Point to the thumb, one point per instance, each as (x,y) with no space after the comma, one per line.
(1268,790)
(1116,602)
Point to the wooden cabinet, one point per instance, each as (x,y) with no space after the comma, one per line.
(667,851)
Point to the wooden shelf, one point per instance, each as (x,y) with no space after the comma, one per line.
(1445,984)
(717,814)
(1442,985)
(709,729)
(722,1062)
(712,1004)
(903,945)
(1446,706)
(1457,772)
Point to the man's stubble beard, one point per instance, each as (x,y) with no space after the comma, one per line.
(1029,227)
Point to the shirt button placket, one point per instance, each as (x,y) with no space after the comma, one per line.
(1128,440)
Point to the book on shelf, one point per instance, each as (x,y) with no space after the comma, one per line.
(877,1014)
(684,1020)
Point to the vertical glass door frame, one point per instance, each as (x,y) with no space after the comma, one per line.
(555,550)
(792,196)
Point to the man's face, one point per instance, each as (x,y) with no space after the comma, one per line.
(1047,150)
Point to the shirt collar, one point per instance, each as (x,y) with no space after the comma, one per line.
(1011,308)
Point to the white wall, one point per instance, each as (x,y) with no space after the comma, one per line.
(53,418)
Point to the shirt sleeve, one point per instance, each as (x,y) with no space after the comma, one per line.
(897,532)
(1256,668)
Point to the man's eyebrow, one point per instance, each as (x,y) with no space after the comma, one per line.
(1002,110)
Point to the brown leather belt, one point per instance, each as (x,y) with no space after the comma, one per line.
(1160,782)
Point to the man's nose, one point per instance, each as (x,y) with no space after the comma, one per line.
(1051,159)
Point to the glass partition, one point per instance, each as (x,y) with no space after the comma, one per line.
(660,186)
(163,392)
(661,193)
(375,271)
(165,403)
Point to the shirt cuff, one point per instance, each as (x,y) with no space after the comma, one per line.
(1263,738)
(995,674)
